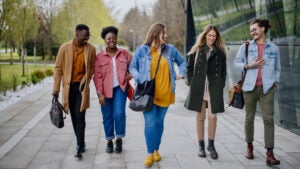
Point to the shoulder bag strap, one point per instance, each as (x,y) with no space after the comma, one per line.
(162,48)
(245,71)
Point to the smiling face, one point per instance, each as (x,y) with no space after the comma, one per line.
(257,32)
(82,37)
(111,40)
(210,38)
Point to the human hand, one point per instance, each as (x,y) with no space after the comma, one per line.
(55,94)
(275,84)
(256,64)
(129,76)
(179,76)
(81,87)
(101,99)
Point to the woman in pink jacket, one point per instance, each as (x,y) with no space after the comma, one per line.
(110,77)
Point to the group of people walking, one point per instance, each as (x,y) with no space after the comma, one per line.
(204,69)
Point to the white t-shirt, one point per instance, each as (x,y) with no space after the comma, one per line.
(115,76)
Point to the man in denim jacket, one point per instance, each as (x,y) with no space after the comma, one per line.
(262,77)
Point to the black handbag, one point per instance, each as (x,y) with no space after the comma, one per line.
(236,98)
(144,92)
(143,96)
(56,113)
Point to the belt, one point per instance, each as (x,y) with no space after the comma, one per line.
(74,83)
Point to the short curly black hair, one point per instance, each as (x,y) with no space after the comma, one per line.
(109,29)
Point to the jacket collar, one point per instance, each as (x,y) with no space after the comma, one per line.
(205,49)
(268,42)
(117,53)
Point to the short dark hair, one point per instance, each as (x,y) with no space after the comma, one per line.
(109,29)
(262,23)
(80,27)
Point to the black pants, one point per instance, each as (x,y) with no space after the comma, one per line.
(78,118)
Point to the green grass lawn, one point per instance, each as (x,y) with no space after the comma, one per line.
(11,75)
(14,57)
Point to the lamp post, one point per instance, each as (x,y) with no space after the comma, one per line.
(133,39)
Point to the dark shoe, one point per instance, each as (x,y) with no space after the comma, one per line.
(271,160)
(211,148)
(249,154)
(110,147)
(201,152)
(79,151)
(118,148)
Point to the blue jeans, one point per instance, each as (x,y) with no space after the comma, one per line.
(113,113)
(154,127)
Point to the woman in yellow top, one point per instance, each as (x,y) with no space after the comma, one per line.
(142,68)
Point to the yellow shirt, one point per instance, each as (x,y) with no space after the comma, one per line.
(78,64)
(163,95)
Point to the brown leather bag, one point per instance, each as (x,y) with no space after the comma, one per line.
(236,98)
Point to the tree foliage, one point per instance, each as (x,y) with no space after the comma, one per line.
(135,27)
(169,12)
(92,13)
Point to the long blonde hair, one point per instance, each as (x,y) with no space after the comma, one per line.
(153,34)
(201,40)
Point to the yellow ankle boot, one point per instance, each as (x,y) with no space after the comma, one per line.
(149,160)
(156,156)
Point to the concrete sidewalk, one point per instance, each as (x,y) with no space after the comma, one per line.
(29,140)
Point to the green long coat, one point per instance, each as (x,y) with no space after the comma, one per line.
(215,70)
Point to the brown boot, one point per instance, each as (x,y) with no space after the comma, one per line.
(249,154)
(271,160)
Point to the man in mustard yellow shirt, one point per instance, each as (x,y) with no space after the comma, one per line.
(74,68)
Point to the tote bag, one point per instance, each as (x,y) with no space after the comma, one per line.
(56,113)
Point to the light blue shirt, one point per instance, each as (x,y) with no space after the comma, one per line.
(270,70)
(140,65)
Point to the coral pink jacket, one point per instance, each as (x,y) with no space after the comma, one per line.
(103,71)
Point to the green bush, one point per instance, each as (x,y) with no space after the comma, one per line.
(37,76)
(4,86)
(14,82)
(48,72)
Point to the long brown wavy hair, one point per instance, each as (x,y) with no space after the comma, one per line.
(201,40)
(153,34)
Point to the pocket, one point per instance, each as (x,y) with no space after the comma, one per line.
(123,64)
(104,67)
(270,59)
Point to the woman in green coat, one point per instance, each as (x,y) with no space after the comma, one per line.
(206,76)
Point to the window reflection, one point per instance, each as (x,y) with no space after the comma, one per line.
(232,17)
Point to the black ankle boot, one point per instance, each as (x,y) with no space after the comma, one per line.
(201,152)
(110,147)
(118,148)
(79,151)
(211,148)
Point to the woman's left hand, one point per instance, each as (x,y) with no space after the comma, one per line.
(129,76)
(179,76)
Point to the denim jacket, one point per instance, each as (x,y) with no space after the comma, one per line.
(270,71)
(140,65)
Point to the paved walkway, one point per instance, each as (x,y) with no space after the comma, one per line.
(28,139)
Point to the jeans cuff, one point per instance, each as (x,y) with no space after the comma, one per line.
(110,138)
(120,136)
